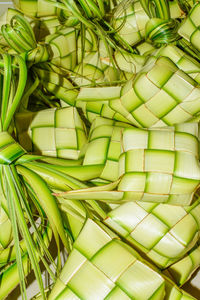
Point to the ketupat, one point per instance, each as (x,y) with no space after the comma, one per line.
(104,147)
(129,20)
(140,101)
(167,155)
(52,132)
(106,268)
(68,181)
(170,231)
(110,268)
(160,164)
(139,110)
(35,8)
(183,61)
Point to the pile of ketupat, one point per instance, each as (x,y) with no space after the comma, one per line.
(99,148)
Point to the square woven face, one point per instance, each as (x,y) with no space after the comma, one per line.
(161,94)
(52,132)
(161,164)
(170,231)
(111,269)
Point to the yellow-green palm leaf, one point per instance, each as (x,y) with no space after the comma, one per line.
(164,233)
(52,132)
(105,268)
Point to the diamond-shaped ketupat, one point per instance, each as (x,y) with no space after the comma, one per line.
(162,232)
(106,268)
(183,61)
(161,94)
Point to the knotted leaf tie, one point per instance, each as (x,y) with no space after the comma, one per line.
(10,150)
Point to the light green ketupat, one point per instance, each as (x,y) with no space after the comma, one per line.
(52,132)
(163,233)
(106,268)
(159,165)
(160,95)
(129,21)
(104,147)
(64,47)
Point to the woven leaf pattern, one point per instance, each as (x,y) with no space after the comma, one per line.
(160,164)
(132,19)
(63,45)
(104,146)
(52,132)
(160,95)
(164,241)
(170,96)
(183,61)
(182,270)
(38,8)
(106,268)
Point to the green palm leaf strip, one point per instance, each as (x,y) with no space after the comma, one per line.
(57,179)
(12,104)
(182,270)
(157,8)
(37,235)
(12,185)
(13,217)
(18,221)
(10,275)
(46,200)
(19,34)
(24,229)
(6,87)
